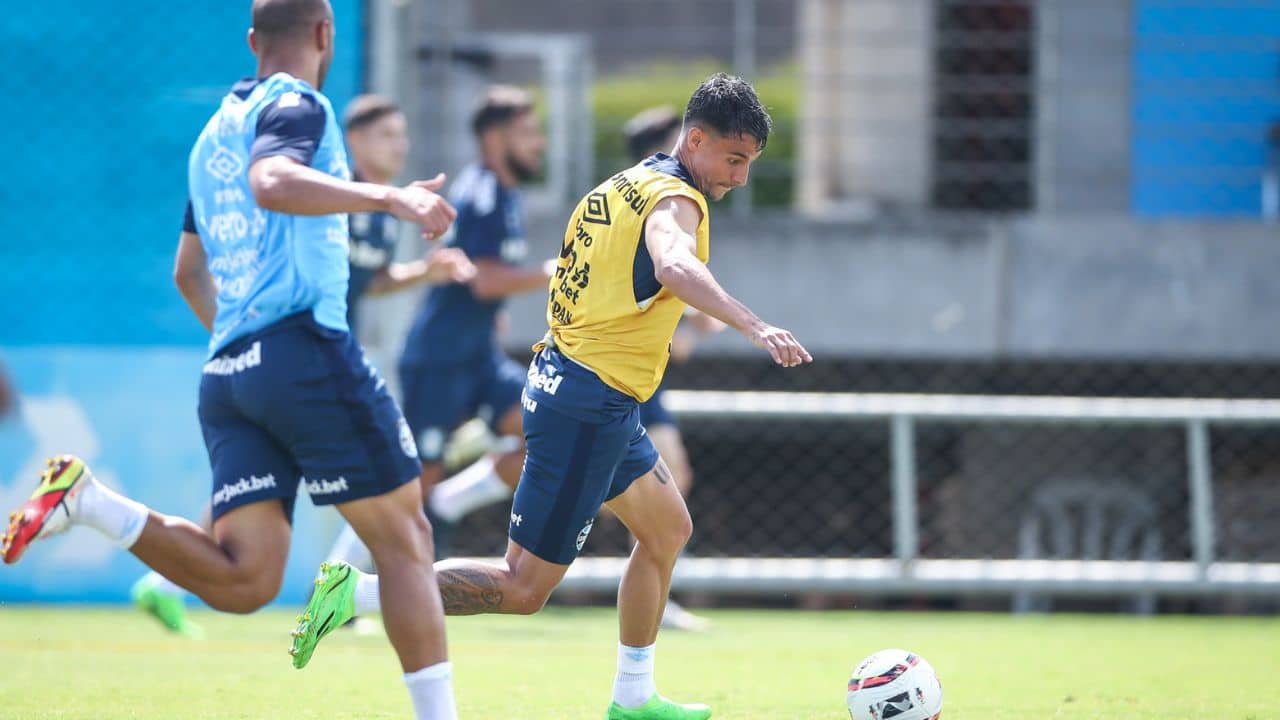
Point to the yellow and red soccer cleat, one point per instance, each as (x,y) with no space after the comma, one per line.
(49,509)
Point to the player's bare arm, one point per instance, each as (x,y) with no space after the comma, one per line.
(495,279)
(670,233)
(693,324)
(704,323)
(441,265)
(284,185)
(191,274)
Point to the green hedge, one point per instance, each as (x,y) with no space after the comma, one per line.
(617,98)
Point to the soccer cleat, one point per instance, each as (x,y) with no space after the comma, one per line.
(49,509)
(166,607)
(332,603)
(658,708)
(675,617)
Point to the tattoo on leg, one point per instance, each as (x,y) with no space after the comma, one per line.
(470,590)
(662,472)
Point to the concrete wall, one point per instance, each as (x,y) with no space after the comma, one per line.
(867,74)
(1103,287)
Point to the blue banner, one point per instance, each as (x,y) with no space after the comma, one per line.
(131,414)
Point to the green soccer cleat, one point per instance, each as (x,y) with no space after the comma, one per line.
(166,607)
(332,604)
(658,708)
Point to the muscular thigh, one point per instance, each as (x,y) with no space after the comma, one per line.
(257,537)
(652,507)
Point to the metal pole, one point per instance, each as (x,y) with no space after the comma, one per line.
(744,64)
(906,533)
(385,52)
(1199,474)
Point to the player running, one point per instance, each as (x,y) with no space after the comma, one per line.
(262,261)
(452,368)
(634,255)
(377,136)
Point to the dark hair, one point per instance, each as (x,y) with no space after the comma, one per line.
(501,104)
(647,130)
(729,105)
(276,19)
(366,110)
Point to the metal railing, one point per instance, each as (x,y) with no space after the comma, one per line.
(905,572)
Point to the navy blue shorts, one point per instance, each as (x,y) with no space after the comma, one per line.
(585,446)
(437,399)
(296,403)
(653,412)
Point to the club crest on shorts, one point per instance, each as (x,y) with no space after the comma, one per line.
(407,444)
(432,442)
(584,532)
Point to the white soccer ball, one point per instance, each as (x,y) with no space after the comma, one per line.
(894,685)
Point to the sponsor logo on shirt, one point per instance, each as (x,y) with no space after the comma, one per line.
(368,256)
(514,250)
(224,164)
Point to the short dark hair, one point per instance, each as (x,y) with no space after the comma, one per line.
(368,109)
(501,105)
(729,105)
(648,129)
(277,19)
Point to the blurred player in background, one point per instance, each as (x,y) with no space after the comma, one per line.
(8,398)
(377,133)
(262,261)
(452,368)
(634,256)
(378,142)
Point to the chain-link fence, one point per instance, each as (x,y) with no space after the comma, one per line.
(1070,486)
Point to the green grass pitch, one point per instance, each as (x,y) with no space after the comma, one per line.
(98,664)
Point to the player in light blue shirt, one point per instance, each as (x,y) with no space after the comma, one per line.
(286,397)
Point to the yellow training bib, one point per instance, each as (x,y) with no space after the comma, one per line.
(606,310)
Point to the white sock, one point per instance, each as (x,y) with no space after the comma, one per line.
(111,513)
(473,488)
(633,685)
(367,600)
(350,549)
(431,690)
(164,584)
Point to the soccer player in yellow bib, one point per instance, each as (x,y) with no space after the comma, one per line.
(634,256)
